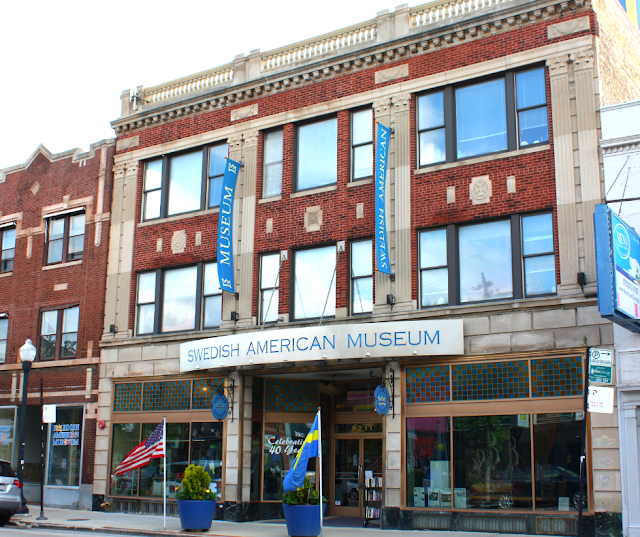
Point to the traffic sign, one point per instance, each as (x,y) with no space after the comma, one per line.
(601,366)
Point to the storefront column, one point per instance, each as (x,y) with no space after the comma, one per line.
(565,180)
(247,411)
(630,462)
(247,202)
(229,301)
(382,109)
(233,454)
(393,442)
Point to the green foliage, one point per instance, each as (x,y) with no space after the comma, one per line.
(307,495)
(195,485)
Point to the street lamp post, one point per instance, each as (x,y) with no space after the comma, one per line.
(27,356)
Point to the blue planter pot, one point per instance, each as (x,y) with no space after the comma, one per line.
(303,520)
(196,514)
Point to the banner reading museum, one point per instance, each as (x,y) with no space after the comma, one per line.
(375,340)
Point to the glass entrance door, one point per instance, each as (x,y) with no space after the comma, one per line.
(355,458)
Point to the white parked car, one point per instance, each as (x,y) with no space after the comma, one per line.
(10,492)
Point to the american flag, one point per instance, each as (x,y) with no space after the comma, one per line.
(141,455)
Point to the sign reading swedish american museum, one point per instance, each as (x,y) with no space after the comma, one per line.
(618,263)
(382,156)
(377,340)
(225,227)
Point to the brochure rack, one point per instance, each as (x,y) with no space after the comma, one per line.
(372,500)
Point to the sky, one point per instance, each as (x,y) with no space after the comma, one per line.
(64,64)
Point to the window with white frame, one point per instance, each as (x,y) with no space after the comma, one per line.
(59,333)
(500,259)
(361,144)
(361,277)
(502,113)
(269,287)
(314,283)
(184,182)
(7,248)
(178,299)
(317,154)
(4,332)
(65,238)
(272,151)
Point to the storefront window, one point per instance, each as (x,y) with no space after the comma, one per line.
(357,398)
(206,450)
(281,444)
(492,462)
(557,444)
(428,462)
(151,476)
(7,432)
(65,447)
(126,436)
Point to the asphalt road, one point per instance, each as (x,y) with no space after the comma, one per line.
(9,531)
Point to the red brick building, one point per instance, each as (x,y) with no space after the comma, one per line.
(54,228)
(479,331)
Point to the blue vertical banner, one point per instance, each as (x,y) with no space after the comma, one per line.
(225,227)
(382,156)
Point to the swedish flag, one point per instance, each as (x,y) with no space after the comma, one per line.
(294,479)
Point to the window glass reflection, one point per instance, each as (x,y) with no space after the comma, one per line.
(317,154)
(179,305)
(314,281)
(185,183)
(125,437)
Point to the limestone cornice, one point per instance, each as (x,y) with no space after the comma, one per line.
(628,144)
(420,40)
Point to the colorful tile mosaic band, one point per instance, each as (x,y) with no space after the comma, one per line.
(127,397)
(290,396)
(428,384)
(203,390)
(557,377)
(171,395)
(493,380)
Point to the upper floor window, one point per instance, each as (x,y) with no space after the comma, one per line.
(59,333)
(361,277)
(7,248)
(314,283)
(65,238)
(269,287)
(4,331)
(272,163)
(361,144)
(173,300)
(502,259)
(501,114)
(182,183)
(317,154)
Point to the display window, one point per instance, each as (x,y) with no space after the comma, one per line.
(65,447)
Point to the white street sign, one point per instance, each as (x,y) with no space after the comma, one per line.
(48,413)
(600,399)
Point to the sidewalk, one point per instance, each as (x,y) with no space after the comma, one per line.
(150,525)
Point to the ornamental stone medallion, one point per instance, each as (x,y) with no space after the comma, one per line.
(35,187)
(179,241)
(480,190)
(313,218)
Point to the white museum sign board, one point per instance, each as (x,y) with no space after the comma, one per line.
(333,342)
(600,399)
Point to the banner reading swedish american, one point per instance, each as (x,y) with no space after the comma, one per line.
(225,227)
(382,156)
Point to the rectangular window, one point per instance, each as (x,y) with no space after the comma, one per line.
(183,183)
(269,288)
(4,331)
(59,333)
(361,144)
(501,114)
(361,277)
(65,238)
(495,260)
(317,154)
(175,300)
(65,448)
(7,248)
(314,283)
(272,163)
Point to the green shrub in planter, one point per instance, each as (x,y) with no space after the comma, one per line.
(307,495)
(195,485)
(196,502)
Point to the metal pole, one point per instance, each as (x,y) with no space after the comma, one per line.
(319,473)
(26,367)
(41,517)
(583,453)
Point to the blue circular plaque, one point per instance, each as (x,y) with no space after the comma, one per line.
(381,399)
(219,406)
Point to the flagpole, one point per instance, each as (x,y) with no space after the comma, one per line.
(164,458)
(319,475)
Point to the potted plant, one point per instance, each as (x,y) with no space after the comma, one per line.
(302,511)
(196,502)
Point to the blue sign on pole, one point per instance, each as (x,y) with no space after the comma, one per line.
(618,264)
(219,406)
(381,399)
(382,156)
(225,227)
